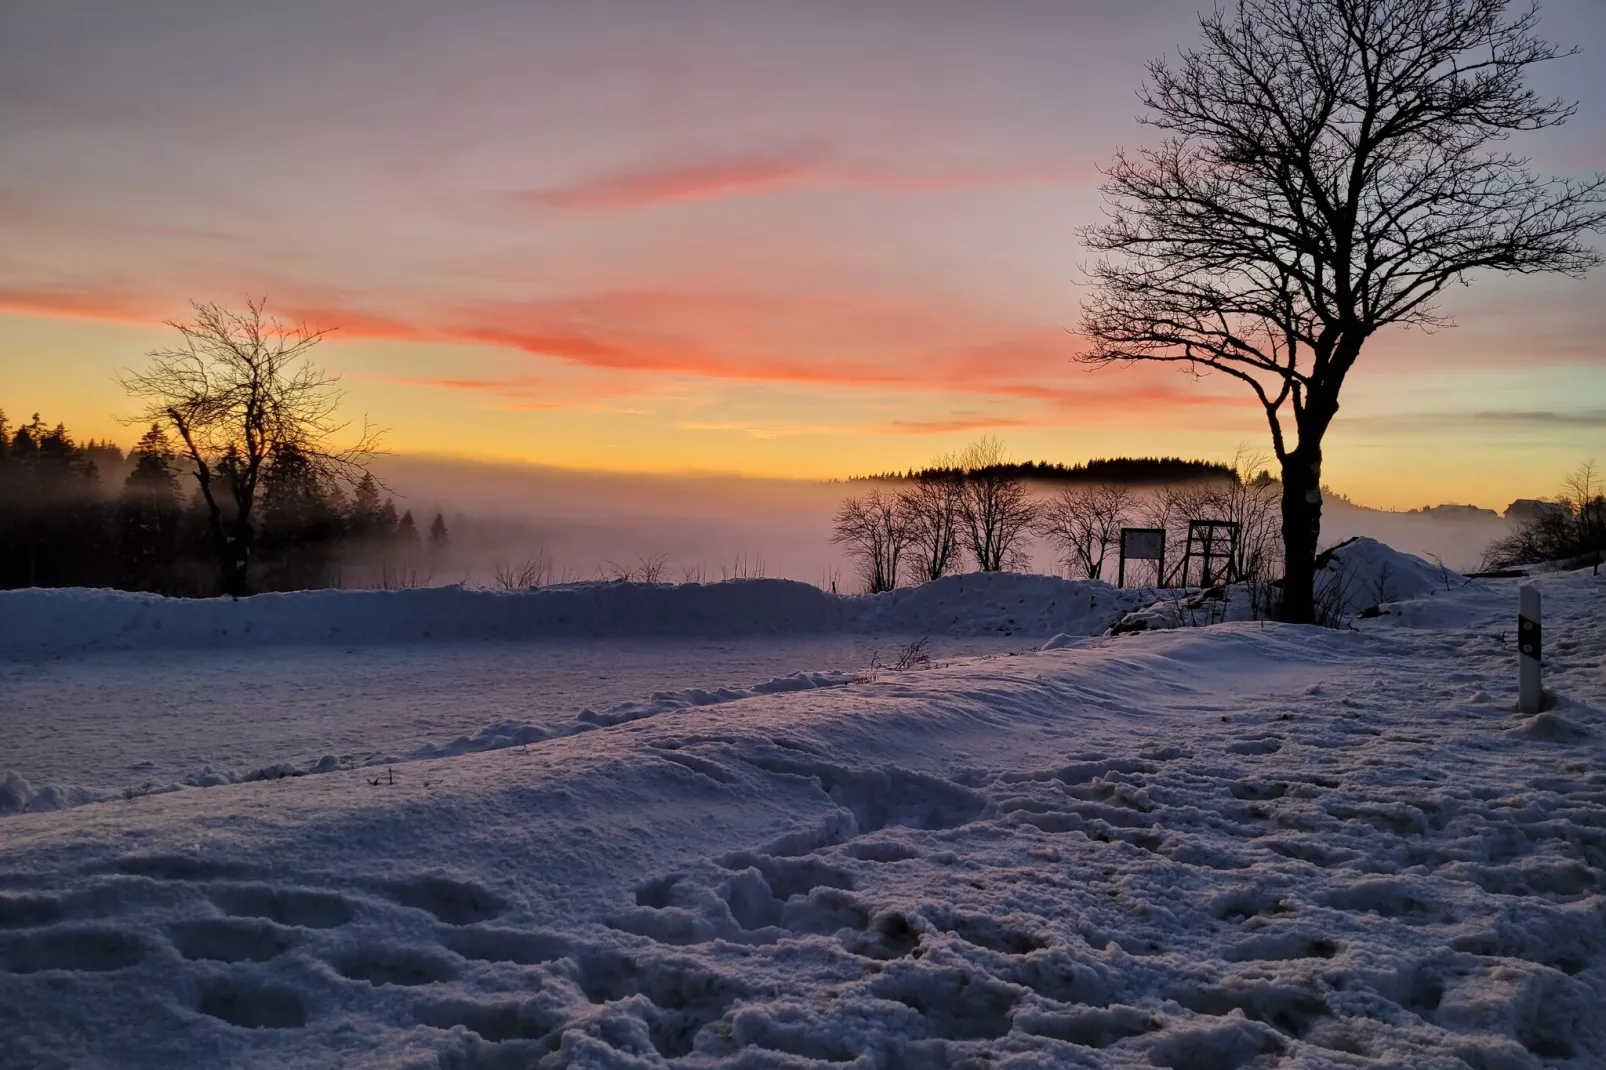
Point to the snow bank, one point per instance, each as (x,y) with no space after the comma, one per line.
(43,622)
(40,622)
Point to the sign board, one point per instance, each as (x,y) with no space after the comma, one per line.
(1143,544)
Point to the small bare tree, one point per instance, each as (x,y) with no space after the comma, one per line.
(1331,167)
(649,568)
(996,509)
(1084,525)
(238,390)
(535,571)
(932,509)
(875,532)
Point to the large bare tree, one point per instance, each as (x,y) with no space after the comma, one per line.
(239,390)
(1330,167)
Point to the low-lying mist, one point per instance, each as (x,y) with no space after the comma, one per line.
(549,525)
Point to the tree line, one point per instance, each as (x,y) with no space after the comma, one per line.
(86,515)
(1129,471)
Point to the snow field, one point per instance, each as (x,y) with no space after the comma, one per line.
(99,725)
(1236,847)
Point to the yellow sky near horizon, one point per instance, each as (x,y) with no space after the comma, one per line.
(1386,462)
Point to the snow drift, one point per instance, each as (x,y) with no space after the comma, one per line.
(43,622)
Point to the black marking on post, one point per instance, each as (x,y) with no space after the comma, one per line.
(1528,637)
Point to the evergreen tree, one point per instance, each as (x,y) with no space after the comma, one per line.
(149,515)
(437,534)
(300,524)
(407,532)
(365,519)
(56,531)
(385,530)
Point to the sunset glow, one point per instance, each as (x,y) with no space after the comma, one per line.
(771,239)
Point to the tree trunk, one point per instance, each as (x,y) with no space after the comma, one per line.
(1302,525)
(234,558)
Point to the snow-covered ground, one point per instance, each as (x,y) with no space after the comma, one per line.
(98,724)
(1241,846)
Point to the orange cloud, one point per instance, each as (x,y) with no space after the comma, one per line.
(953,426)
(107,306)
(631,342)
(354,323)
(766,172)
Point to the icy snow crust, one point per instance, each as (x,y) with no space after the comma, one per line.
(1235,847)
(38,622)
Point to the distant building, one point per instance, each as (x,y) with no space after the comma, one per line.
(1529,509)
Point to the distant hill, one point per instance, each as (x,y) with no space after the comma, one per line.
(1132,471)
(1457,512)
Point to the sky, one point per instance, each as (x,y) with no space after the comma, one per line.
(780,239)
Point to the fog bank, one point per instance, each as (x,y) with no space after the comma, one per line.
(587,525)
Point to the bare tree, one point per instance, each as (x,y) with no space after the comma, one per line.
(875,531)
(932,510)
(238,390)
(1584,498)
(997,508)
(1330,167)
(1084,525)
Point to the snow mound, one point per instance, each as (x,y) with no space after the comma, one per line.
(40,622)
(1000,603)
(17,796)
(1370,573)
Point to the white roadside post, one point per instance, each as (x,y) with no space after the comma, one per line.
(1528,688)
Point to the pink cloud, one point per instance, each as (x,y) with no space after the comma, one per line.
(768,172)
(682,183)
